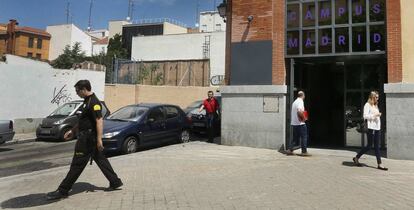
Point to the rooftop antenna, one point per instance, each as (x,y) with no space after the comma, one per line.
(67,12)
(130,9)
(90,16)
(197,24)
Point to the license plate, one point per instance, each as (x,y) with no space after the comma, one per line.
(199,124)
(45,131)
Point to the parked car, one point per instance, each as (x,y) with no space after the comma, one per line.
(140,125)
(6,131)
(61,120)
(199,120)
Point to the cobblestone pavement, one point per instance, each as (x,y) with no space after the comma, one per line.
(198,175)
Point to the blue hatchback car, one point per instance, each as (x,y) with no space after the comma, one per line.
(140,125)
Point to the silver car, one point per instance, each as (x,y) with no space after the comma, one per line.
(6,131)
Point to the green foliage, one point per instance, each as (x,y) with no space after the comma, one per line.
(69,57)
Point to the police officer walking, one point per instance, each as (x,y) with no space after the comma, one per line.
(212,107)
(89,144)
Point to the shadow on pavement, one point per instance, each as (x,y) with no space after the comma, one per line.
(352,164)
(39,199)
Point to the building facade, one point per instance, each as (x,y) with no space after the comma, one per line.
(68,34)
(24,41)
(210,21)
(195,46)
(337,51)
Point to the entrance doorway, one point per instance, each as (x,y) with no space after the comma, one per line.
(336,90)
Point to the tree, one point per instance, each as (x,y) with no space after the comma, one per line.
(69,57)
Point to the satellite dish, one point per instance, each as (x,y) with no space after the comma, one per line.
(197,25)
(128,18)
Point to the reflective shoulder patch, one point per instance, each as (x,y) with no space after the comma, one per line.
(96,108)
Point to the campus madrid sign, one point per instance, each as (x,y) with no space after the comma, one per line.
(335,26)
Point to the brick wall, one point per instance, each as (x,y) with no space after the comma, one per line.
(394,50)
(268,24)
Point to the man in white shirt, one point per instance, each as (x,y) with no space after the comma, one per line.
(300,131)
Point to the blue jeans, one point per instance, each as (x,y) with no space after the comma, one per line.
(210,127)
(300,133)
(372,136)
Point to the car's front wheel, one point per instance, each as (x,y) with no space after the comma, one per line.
(130,145)
(184,136)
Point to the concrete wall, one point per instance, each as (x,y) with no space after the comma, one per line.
(63,35)
(407,29)
(117,96)
(181,47)
(115,27)
(211,21)
(253,116)
(32,89)
(82,37)
(400,123)
(173,29)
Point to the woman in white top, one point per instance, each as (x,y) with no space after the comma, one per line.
(373,117)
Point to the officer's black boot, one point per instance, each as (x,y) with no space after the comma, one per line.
(56,195)
(115,186)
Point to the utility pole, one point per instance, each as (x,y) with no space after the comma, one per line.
(90,16)
(197,14)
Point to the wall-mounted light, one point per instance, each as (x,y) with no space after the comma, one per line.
(222,9)
(250,18)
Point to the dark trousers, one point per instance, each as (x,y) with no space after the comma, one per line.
(85,149)
(372,136)
(300,133)
(210,127)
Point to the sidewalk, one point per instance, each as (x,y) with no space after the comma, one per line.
(198,175)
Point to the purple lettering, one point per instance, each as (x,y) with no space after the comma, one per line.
(341,11)
(358,10)
(325,13)
(341,40)
(359,38)
(325,40)
(377,37)
(376,8)
(292,16)
(293,43)
(309,15)
(308,42)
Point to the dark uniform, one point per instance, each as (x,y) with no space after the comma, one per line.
(86,148)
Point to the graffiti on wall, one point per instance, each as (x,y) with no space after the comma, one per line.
(61,96)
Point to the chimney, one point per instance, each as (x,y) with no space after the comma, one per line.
(11,37)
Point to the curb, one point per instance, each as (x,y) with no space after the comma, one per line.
(20,141)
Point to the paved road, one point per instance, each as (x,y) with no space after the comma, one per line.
(34,156)
(40,155)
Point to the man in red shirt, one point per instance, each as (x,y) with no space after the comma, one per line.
(212,106)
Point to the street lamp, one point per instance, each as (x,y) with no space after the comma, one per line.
(222,9)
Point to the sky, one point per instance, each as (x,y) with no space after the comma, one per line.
(41,13)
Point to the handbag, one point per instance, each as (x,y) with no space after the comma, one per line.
(362,126)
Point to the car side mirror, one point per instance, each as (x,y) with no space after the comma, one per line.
(151,120)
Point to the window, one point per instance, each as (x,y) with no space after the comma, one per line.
(157,114)
(30,55)
(38,56)
(172,112)
(31,39)
(39,43)
(308,42)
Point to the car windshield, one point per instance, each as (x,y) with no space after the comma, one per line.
(65,109)
(195,104)
(128,113)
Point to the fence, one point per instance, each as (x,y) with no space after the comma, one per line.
(171,73)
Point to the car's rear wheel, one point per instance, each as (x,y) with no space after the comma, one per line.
(184,136)
(130,145)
